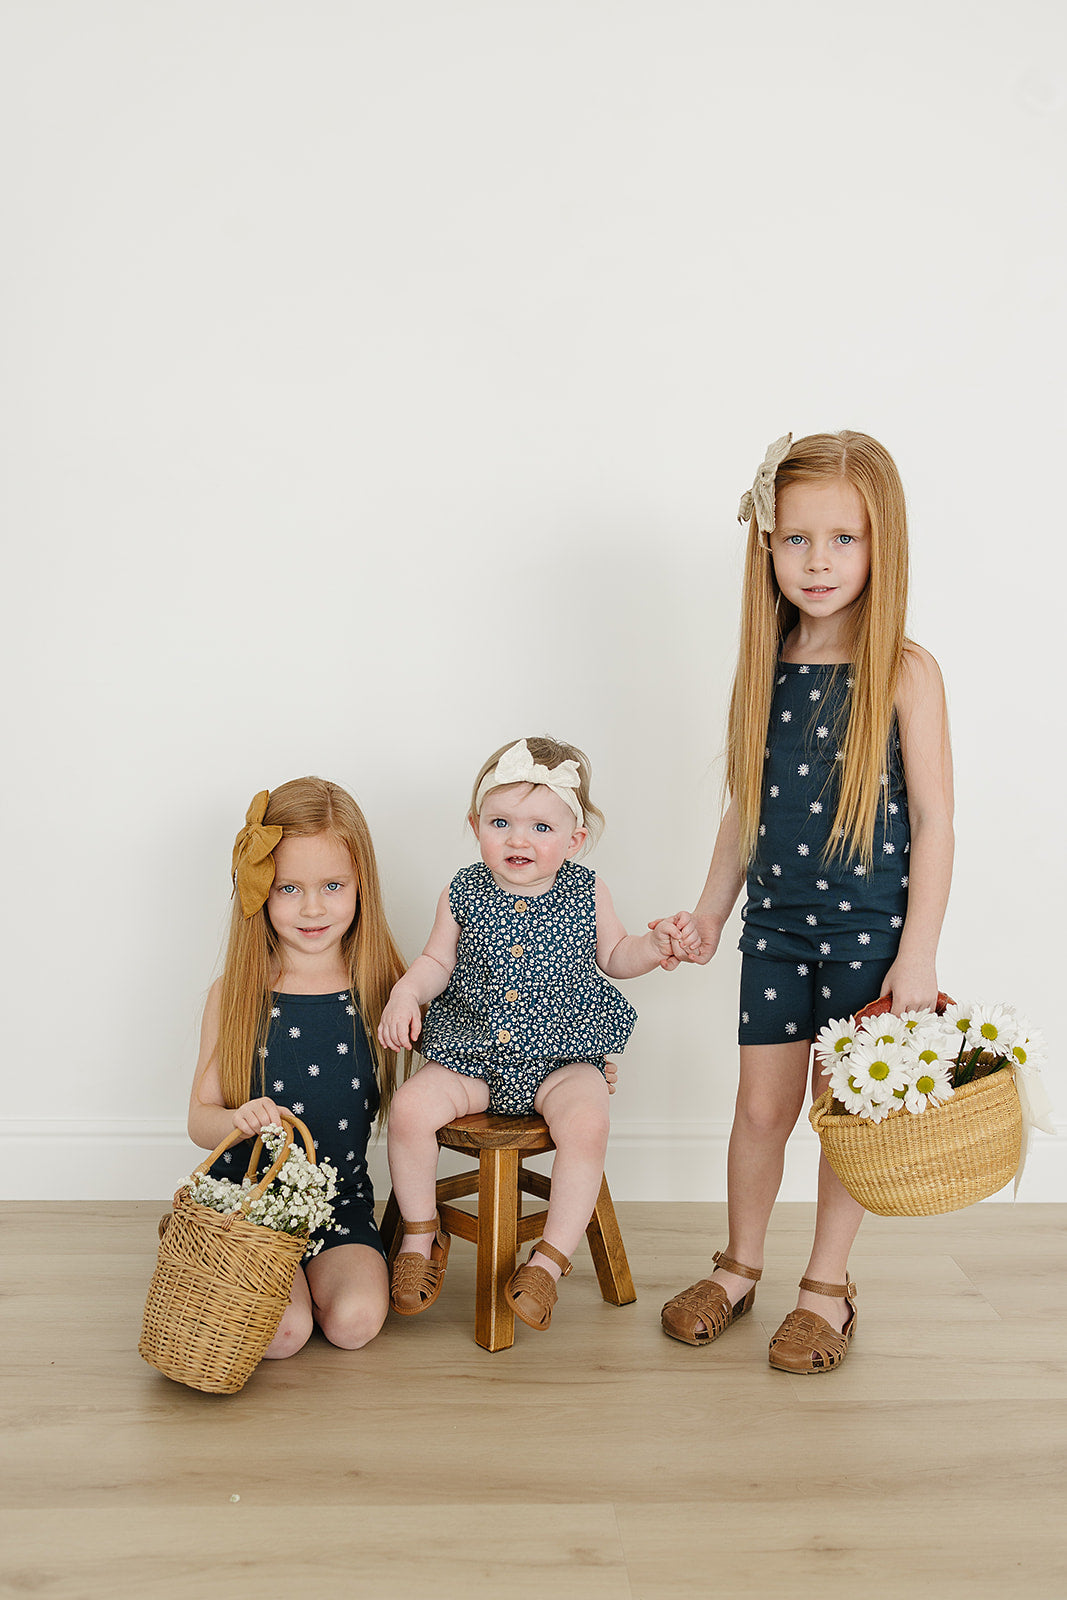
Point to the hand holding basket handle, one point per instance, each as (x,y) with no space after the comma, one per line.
(878,1008)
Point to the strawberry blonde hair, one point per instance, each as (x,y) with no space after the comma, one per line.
(549,753)
(876,644)
(305,808)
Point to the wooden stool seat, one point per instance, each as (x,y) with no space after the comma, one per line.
(499,1181)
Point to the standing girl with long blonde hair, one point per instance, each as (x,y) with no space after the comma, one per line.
(840,820)
(293,1022)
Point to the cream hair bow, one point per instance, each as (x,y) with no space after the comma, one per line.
(517,765)
(759,500)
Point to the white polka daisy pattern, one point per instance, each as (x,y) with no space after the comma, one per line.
(806,738)
(327,1087)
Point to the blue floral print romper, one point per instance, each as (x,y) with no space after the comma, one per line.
(525,996)
(318,1063)
(819,935)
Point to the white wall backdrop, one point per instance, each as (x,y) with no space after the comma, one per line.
(379,383)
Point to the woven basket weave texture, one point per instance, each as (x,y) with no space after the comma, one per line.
(942,1159)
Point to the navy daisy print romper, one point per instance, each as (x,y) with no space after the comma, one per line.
(525,996)
(317,1062)
(819,935)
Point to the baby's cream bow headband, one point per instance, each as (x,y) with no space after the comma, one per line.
(517,765)
(759,500)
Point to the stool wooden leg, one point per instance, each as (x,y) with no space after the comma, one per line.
(390,1228)
(498,1197)
(609,1255)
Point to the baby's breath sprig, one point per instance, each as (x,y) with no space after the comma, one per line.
(298,1200)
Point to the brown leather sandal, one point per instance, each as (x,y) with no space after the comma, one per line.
(416,1282)
(700,1313)
(806,1342)
(531,1291)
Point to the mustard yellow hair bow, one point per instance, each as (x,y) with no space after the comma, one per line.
(758,501)
(252,867)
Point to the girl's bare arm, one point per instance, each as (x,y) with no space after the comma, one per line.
(425,979)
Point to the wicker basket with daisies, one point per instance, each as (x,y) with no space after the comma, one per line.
(926,1111)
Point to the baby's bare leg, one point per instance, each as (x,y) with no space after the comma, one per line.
(574,1102)
(426,1102)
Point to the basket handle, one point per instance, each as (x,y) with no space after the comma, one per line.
(878,1008)
(291,1124)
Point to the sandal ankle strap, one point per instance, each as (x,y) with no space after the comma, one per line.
(421,1227)
(553,1254)
(834,1291)
(736,1267)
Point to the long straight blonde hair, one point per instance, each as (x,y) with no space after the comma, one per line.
(303,808)
(876,645)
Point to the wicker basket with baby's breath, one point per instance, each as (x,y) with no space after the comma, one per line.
(223,1278)
(923,1112)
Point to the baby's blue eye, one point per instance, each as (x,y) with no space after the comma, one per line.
(498,822)
(542,827)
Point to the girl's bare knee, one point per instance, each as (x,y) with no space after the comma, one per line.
(353,1322)
(293,1333)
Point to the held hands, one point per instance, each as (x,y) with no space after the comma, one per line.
(692,938)
(401,1021)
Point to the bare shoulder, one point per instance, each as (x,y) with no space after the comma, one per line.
(920,678)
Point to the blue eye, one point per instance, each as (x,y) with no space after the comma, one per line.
(333,886)
(286,888)
(844,538)
(542,827)
(498,822)
(795,538)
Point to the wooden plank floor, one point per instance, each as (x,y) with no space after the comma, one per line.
(600,1460)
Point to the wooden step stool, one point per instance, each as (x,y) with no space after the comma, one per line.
(499,1180)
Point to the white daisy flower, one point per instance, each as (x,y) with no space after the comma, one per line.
(294,1033)
(893,808)
(762,829)
(821,732)
(343,995)
(812,920)
(880,1068)
(825,991)
(802,850)
(855,965)
(744,1016)
(275,1011)
(263,1052)
(816,808)
(837,1038)
(888,848)
(993,1028)
(863,938)
(802,969)
(776,869)
(790,1027)
(770,994)
(766,905)
(313,1070)
(787,716)
(351,1156)
(342,1049)
(298,1106)
(955,1022)
(773,791)
(824,949)
(355,1083)
(814,694)
(896,922)
(761,944)
(803,770)
(904,882)
(343,1125)
(804,670)
(839,755)
(350,1011)
(821,883)
(849,682)
(844,905)
(858,870)
(930,1086)
(1029,1050)
(278,1086)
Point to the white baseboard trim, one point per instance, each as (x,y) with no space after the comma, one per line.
(140,1158)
